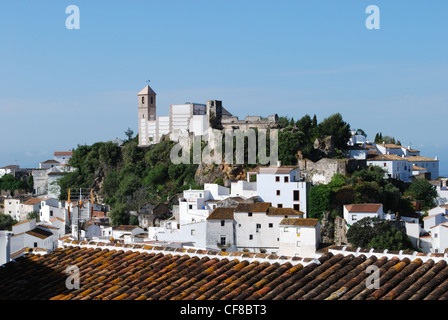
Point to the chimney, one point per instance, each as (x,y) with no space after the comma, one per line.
(5,247)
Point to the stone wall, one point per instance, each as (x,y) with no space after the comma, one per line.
(322,171)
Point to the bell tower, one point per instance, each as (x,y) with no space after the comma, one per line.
(146,114)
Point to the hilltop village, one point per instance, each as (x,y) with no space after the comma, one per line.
(314,207)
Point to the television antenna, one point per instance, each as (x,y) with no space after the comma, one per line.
(80,200)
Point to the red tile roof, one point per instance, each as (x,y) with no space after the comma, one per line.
(138,272)
(363,207)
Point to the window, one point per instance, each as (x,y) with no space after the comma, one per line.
(286,179)
(296,195)
(143,100)
(35,244)
(190,206)
(251,237)
(193,232)
(258,227)
(385,164)
(271,225)
(435,235)
(223,223)
(51,213)
(354,217)
(280,205)
(152,100)
(299,244)
(296,207)
(278,192)
(249,214)
(277,178)
(223,240)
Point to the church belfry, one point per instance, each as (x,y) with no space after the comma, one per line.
(146,114)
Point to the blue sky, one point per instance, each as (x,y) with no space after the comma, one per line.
(60,88)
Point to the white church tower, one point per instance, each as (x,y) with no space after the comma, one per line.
(147,129)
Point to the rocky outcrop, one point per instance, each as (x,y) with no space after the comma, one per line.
(210,173)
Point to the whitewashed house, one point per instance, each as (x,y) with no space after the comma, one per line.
(28,206)
(12,207)
(282,187)
(52,208)
(257,226)
(356,212)
(431,165)
(48,164)
(194,234)
(435,216)
(397,167)
(221,229)
(62,157)
(196,205)
(299,237)
(27,234)
(126,233)
(11,169)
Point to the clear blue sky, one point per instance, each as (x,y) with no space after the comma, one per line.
(60,88)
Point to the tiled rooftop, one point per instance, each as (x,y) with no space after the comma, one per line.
(140,272)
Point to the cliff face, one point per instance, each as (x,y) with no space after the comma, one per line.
(209,173)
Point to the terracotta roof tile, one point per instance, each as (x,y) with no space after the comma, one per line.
(114,273)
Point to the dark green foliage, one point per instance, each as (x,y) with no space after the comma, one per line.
(9,182)
(337,128)
(422,189)
(131,176)
(377,233)
(6,222)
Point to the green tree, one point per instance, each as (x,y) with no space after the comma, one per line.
(422,189)
(129,133)
(319,200)
(119,215)
(6,222)
(377,233)
(336,127)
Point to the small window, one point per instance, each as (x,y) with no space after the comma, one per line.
(35,244)
(280,205)
(286,179)
(152,99)
(190,206)
(296,195)
(271,225)
(277,178)
(223,223)
(249,214)
(143,100)
(223,240)
(296,207)
(278,192)
(251,237)
(193,232)
(354,217)
(258,226)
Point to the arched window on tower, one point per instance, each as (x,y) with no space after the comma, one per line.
(143,100)
(152,100)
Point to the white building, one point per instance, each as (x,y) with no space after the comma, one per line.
(5,247)
(257,226)
(431,165)
(51,208)
(48,164)
(299,237)
(28,234)
(12,207)
(62,157)
(397,167)
(356,212)
(282,186)
(196,205)
(28,206)
(220,231)
(435,216)
(11,169)
(182,118)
